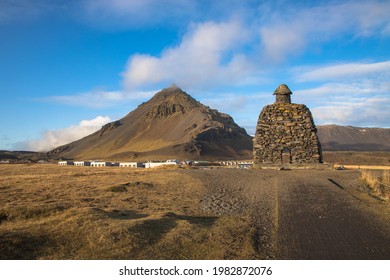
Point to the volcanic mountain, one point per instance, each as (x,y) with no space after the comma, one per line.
(171,124)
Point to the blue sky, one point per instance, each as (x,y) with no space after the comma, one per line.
(69,67)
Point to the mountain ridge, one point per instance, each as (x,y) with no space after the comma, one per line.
(170,124)
(350,138)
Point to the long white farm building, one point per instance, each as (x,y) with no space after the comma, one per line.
(156,164)
(131,164)
(98,163)
(66,162)
(82,163)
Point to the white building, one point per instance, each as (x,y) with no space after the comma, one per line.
(65,162)
(131,164)
(82,163)
(101,163)
(156,164)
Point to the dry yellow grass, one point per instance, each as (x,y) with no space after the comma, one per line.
(67,212)
(378,182)
(357,158)
(52,212)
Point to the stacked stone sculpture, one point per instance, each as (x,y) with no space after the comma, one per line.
(286,133)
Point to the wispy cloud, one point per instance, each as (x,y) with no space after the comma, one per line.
(359,112)
(355,93)
(100,98)
(355,88)
(345,70)
(289,31)
(51,139)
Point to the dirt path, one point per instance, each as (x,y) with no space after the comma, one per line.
(302,214)
(318,219)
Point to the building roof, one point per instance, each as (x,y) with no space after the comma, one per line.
(282,89)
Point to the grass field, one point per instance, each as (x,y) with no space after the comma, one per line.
(52,212)
(358,158)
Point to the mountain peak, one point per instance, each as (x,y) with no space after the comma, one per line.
(169,91)
(171,124)
(174,95)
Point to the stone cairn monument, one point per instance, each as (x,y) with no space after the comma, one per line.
(285,133)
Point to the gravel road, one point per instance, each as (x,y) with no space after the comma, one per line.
(306,214)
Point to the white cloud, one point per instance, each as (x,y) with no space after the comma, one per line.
(359,112)
(289,31)
(204,56)
(100,98)
(358,94)
(354,88)
(238,103)
(51,139)
(363,102)
(345,70)
(227,102)
(236,51)
(279,42)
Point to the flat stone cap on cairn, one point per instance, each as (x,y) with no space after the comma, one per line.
(282,89)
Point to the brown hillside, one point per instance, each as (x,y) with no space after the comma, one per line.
(172,124)
(349,138)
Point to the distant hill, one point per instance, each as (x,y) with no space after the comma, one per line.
(172,124)
(22,156)
(349,138)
